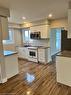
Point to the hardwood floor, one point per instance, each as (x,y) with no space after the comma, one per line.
(34,79)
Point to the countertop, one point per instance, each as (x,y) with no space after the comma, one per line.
(37,47)
(44,47)
(8,53)
(65,54)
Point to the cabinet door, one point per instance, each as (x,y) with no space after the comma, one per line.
(20,52)
(45,31)
(69,23)
(41,55)
(63,70)
(23,52)
(11,65)
(4,27)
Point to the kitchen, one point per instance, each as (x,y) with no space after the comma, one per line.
(27,66)
(36,46)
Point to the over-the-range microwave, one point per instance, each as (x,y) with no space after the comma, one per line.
(35,35)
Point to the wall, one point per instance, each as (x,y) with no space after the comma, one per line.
(5,12)
(59,23)
(14,25)
(17,37)
(34,23)
(2,61)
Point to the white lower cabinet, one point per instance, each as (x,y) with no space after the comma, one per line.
(63,70)
(44,55)
(23,52)
(11,65)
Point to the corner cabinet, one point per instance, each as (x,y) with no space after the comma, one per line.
(4,27)
(43,29)
(69,23)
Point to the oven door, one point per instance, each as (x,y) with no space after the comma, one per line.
(32,36)
(32,53)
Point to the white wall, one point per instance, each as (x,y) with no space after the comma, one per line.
(17,37)
(59,23)
(2,63)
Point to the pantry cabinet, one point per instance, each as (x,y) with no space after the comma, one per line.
(4,27)
(43,29)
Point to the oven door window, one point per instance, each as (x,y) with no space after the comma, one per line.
(31,53)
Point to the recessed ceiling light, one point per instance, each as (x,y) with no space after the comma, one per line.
(50,15)
(23,17)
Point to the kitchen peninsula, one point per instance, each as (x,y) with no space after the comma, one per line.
(11,63)
(63,67)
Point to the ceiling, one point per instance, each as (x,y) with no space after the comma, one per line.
(35,9)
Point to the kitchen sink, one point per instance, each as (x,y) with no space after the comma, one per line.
(27,45)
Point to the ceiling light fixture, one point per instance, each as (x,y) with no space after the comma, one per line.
(23,18)
(50,15)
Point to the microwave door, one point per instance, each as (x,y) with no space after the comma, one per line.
(35,35)
(31,35)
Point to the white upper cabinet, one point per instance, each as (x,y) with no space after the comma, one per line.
(69,23)
(4,28)
(43,29)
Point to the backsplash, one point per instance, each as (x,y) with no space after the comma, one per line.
(44,42)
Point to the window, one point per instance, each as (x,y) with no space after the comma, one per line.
(10,38)
(58,39)
(26,35)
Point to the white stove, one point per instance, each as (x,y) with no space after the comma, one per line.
(33,54)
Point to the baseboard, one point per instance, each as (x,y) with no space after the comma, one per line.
(3,80)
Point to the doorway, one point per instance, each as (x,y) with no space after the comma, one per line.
(55,40)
